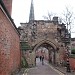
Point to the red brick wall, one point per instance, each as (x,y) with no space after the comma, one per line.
(72,63)
(9,46)
(8,4)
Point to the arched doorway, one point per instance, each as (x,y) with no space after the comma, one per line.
(46,48)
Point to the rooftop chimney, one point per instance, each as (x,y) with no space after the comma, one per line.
(8,5)
(55,20)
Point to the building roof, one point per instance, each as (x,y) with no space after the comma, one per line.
(6,11)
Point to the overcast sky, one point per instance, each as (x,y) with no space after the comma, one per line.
(21,9)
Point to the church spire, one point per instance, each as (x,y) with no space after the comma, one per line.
(31,16)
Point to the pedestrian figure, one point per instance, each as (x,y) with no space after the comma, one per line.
(42,58)
(68,66)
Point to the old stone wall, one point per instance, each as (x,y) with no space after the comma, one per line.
(9,46)
(46,33)
(30,57)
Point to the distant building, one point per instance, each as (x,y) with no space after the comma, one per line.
(72,45)
(73,42)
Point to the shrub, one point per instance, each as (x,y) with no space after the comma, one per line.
(24,63)
(73,51)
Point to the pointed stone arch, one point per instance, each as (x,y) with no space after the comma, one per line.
(50,44)
(45,41)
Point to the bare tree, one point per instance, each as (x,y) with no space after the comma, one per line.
(49,16)
(68,18)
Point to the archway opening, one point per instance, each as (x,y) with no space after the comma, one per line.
(47,50)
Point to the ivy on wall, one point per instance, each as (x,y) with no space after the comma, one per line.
(24,63)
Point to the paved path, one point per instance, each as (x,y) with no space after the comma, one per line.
(40,69)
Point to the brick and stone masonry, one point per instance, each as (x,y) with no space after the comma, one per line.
(9,45)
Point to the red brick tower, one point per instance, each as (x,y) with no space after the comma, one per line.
(8,5)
